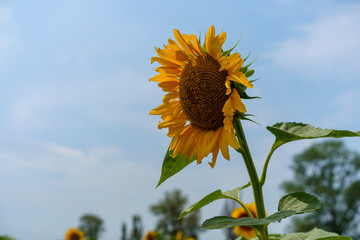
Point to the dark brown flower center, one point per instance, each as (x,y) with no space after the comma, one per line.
(74,236)
(202,93)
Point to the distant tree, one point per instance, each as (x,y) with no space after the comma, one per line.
(123,231)
(92,226)
(4,237)
(226,211)
(168,211)
(331,172)
(137,228)
(136,231)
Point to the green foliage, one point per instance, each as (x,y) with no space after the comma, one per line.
(227,210)
(332,172)
(136,232)
(315,234)
(168,211)
(290,131)
(218,194)
(92,226)
(172,165)
(291,204)
(4,237)
(300,202)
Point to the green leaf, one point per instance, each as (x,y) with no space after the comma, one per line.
(218,194)
(315,234)
(275,236)
(300,202)
(291,204)
(249,72)
(290,131)
(172,165)
(243,95)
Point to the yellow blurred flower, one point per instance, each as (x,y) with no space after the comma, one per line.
(179,235)
(245,231)
(201,101)
(74,234)
(150,235)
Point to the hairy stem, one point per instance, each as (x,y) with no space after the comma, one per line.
(254,179)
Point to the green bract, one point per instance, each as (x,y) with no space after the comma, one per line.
(172,165)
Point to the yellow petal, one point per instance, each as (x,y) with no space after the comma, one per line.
(215,153)
(228,123)
(235,63)
(177,57)
(182,42)
(169,86)
(228,109)
(236,102)
(213,140)
(231,139)
(168,70)
(164,78)
(196,44)
(165,62)
(224,63)
(224,147)
(173,131)
(170,96)
(217,45)
(240,77)
(209,38)
(190,142)
(228,86)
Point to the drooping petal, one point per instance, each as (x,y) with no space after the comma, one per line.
(234,63)
(224,147)
(236,101)
(231,139)
(215,153)
(240,77)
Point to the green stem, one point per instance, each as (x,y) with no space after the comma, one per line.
(263,175)
(245,207)
(254,179)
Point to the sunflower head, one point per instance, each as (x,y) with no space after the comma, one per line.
(203,85)
(245,231)
(150,235)
(179,235)
(74,234)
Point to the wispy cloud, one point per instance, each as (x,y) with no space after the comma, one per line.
(346,110)
(5,15)
(331,43)
(61,182)
(9,41)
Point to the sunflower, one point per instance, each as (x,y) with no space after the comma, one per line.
(150,235)
(247,232)
(179,235)
(201,100)
(74,234)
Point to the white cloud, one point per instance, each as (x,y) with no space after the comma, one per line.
(346,110)
(58,183)
(331,43)
(9,41)
(5,15)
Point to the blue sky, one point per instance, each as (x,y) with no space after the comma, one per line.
(75,134)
